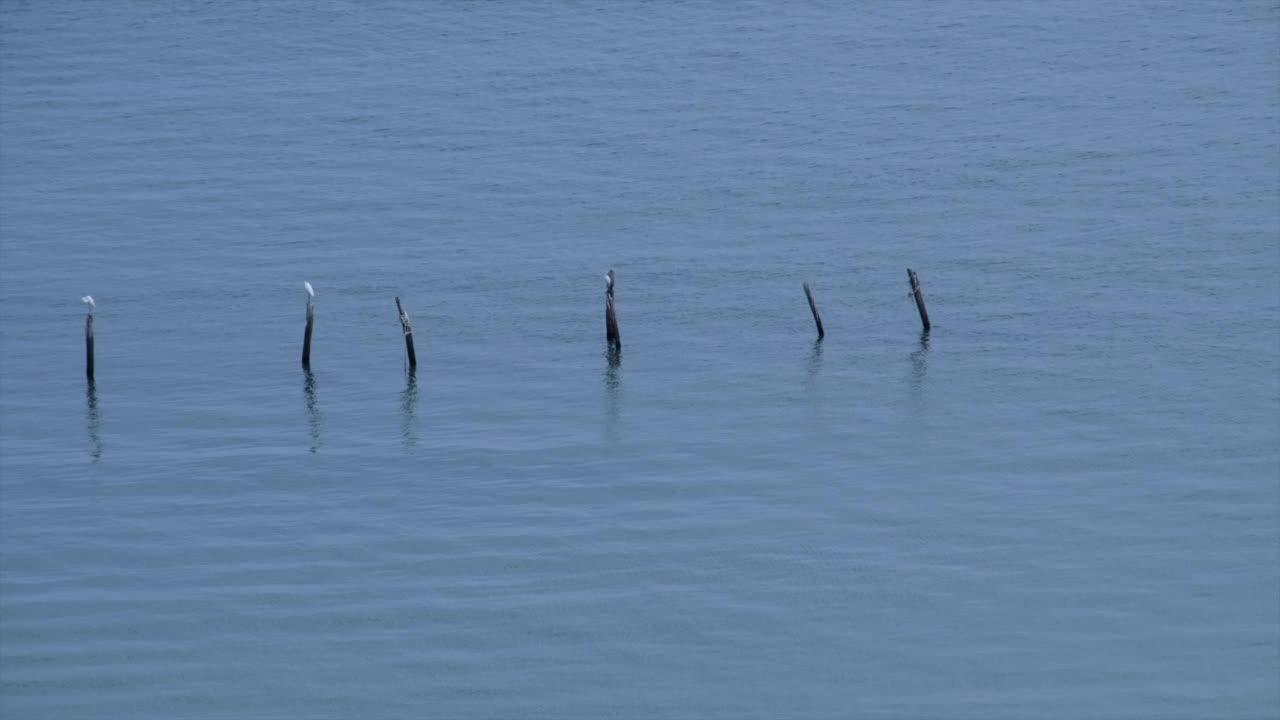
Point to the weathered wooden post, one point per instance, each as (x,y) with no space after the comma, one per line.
(813,307)
(919,296)
(88,337)
(610,319)
(306,336)
(408,335)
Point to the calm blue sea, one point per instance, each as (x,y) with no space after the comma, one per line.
(1063,501)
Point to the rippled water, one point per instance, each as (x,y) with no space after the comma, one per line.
(1062,501)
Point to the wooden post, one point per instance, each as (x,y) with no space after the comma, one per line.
(408,335)
(919,296)
(88,337)
(610,319)
(306,336)
(88,346)
(813,307)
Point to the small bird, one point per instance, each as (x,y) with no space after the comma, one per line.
(310,293)
(88,300)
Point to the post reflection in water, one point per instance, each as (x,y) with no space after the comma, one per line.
(813,387)
(93,421)
(613,390)
(314,420)
(408,402)
(919,368)
(815,363)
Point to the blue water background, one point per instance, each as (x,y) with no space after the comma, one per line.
(1064,501)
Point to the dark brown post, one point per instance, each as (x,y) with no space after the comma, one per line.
(610,319)
(813,307)
(919,296)
(408,334)
(88,346)
(306,336)
(88,337)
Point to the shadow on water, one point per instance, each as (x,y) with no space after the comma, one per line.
(408,402)
(613,390)
(314,420)
(93,421)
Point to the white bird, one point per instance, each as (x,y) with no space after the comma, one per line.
(88,300)
(310,293)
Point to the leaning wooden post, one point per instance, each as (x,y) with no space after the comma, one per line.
(813,307)
(610,319)
(306,336)
(919,296)
(408,334)
(88,337)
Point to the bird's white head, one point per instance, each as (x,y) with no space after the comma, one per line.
(88,300)
(310,292)
(608,279)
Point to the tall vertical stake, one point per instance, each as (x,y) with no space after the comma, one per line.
(408,334)
(88,337)
(919,296)
(88,346)
(306,336)
(610,319)
(813,307)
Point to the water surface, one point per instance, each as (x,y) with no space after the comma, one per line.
(1062,501)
